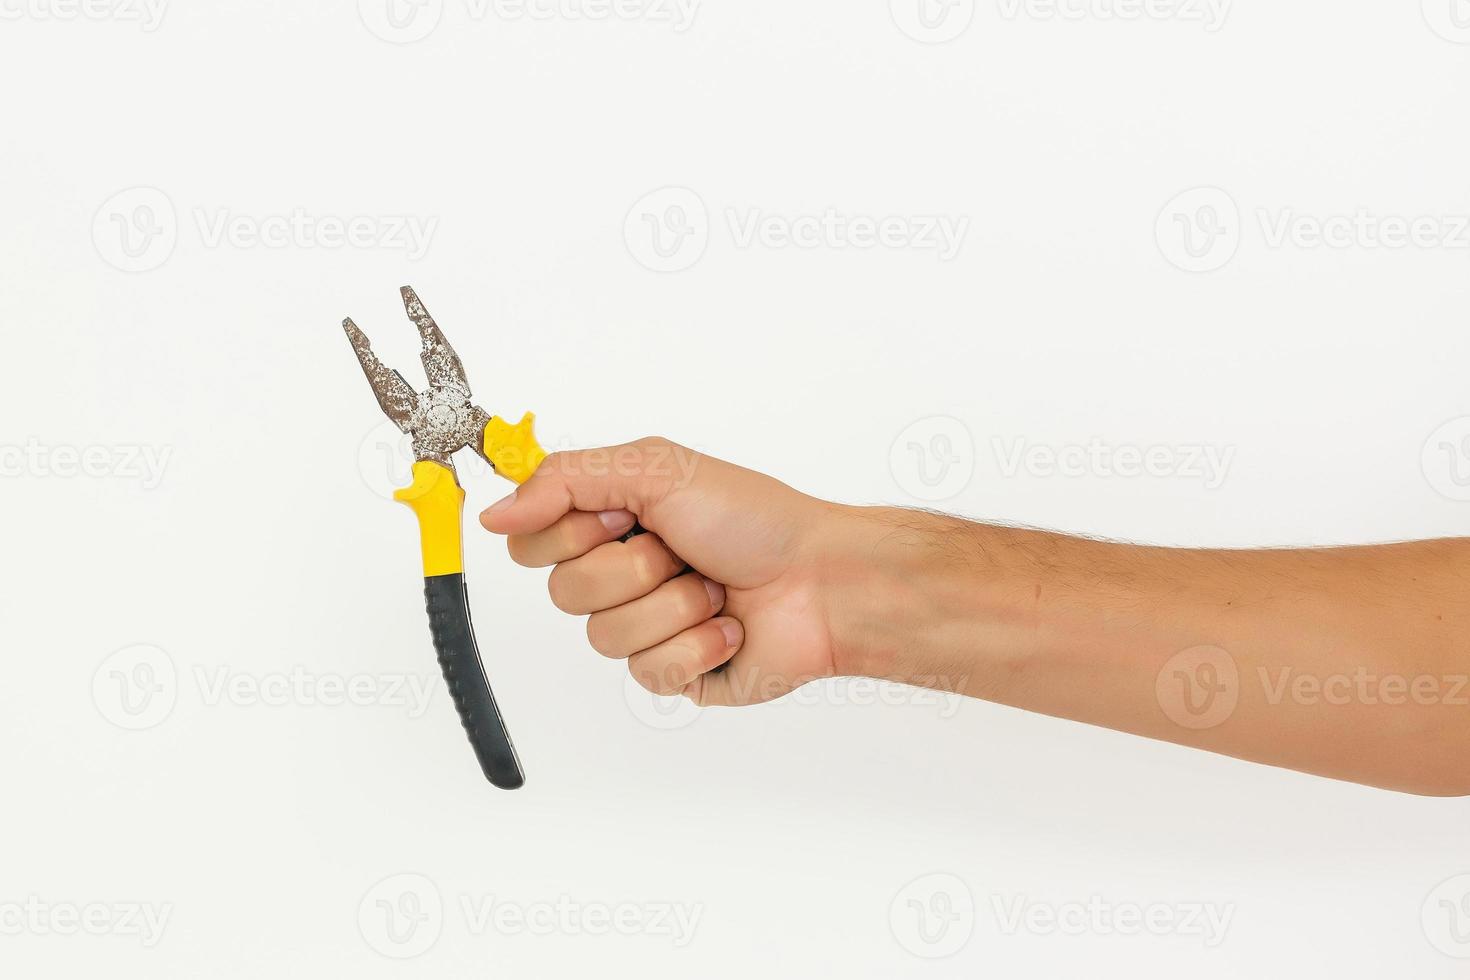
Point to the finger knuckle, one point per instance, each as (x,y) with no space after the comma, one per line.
(567,541)
(565,589)
(646,676)
(711,649)
(693,600)
(665,678)
(648,561)
(681,674)
(601,637)
(521,550)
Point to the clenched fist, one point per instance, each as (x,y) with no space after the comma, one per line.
(721,599)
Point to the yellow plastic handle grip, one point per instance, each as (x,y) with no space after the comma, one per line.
(513,448)
(437,499)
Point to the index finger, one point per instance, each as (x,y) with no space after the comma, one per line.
(573,535)
(631,477)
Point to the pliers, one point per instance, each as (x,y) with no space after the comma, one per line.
(442,420)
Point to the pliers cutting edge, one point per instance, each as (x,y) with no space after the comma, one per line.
(442,420)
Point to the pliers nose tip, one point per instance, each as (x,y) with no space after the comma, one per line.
(396,398)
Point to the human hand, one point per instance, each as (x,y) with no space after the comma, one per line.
(756,553)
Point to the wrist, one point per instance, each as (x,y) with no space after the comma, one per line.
(926,599)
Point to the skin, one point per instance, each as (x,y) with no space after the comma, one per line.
(1350,663)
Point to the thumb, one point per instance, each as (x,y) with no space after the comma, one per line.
(633,477)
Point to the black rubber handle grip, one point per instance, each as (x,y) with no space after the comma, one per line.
(459,658)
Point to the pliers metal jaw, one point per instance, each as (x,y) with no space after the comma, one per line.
(443,420)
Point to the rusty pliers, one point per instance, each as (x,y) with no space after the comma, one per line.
(442,420)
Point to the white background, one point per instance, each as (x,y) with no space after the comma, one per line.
(270,828)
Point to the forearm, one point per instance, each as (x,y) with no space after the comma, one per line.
(1350,662)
